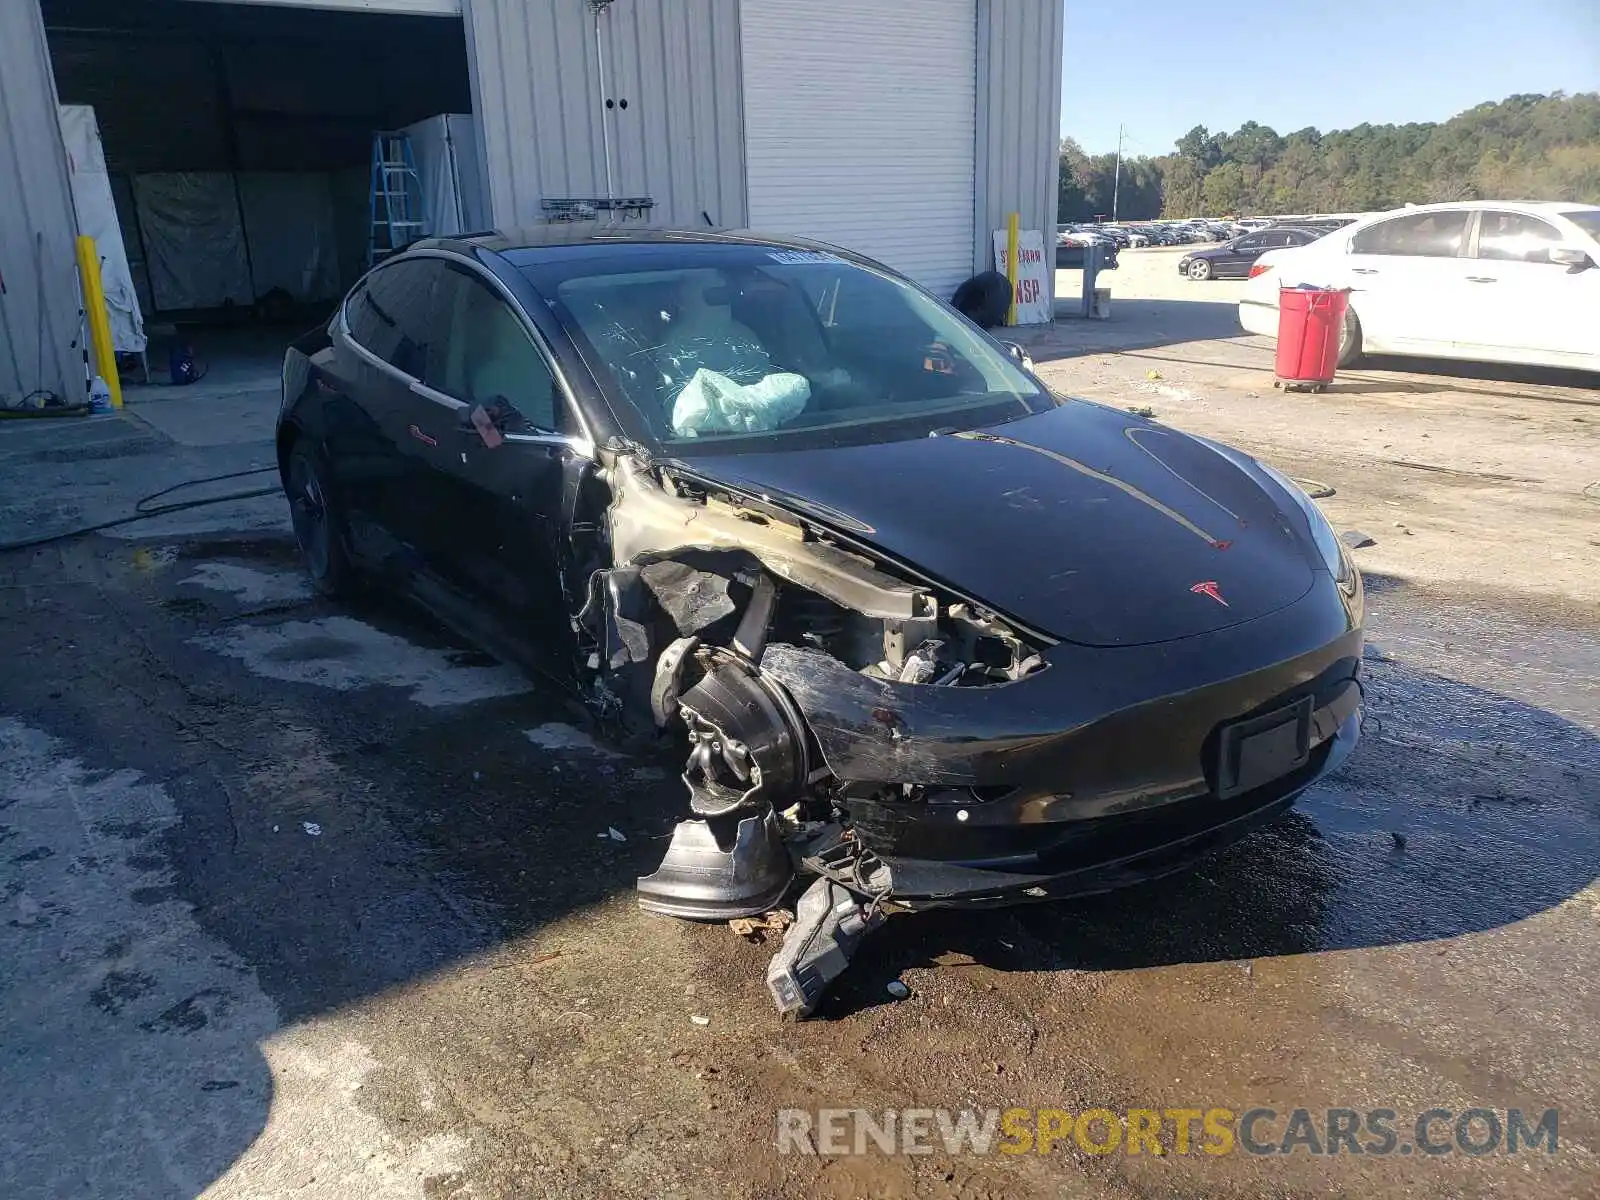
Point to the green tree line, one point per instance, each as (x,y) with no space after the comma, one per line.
(1526,147)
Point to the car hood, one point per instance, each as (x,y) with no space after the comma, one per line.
(1082,522)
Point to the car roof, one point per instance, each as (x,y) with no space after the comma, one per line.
(593,236)
(1532,206)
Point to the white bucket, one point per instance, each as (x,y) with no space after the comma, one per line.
(1101,309)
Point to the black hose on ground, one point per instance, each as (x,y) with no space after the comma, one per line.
(142,511)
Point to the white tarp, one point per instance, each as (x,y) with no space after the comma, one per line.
(194,236)
(97,218)
(289,223)
(445,148)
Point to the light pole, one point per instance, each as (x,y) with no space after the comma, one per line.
(1116,179)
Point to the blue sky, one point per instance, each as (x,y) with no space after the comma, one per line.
(1163,66)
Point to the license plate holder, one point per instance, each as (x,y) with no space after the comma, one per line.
(1258,750)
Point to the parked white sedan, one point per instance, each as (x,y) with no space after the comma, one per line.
(1482,280)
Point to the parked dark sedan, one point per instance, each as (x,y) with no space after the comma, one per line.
(1233,260)
(929,634)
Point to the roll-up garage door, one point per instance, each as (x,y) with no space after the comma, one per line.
(860,126)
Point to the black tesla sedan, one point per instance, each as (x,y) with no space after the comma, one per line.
(1233,260)
(926,632)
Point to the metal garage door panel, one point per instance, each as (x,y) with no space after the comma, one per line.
(860,128)
(423,8)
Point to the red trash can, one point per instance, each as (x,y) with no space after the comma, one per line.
(1309,321)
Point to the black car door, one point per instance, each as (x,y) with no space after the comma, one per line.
(514,441)
(385,329)
(1235,258)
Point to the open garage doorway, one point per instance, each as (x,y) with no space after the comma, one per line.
(238,142)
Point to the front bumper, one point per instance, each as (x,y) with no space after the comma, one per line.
(1095,772)
(1106,855)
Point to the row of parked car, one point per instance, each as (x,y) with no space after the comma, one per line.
(1126,236)
(1073,240)
(1236,257)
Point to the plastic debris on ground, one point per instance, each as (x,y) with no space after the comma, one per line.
(697,1019)
(898,990)
(312,828)
(755,929)
(612,832)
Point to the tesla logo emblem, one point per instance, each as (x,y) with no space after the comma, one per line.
(1209,587)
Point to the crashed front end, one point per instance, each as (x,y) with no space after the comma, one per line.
(907,748)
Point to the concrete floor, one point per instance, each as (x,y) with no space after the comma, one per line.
(302,898)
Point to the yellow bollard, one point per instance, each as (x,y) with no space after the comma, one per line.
(1011,264)
(94,307)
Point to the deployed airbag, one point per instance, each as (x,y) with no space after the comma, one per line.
(713,403)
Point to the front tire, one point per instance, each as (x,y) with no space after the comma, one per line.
(1200,269)
(319,528)
(1349,340)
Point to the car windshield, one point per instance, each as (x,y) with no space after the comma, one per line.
(759,347)
(1586,219)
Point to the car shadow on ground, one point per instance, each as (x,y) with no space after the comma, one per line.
(201,853)
(1132,325)
(1481,372)
(1461,811)
(1427,376)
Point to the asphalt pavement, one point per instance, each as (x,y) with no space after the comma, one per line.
(299,898)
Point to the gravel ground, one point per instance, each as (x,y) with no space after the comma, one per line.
(305,899)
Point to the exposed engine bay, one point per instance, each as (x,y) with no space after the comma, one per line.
(690,587)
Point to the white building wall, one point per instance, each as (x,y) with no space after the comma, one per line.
(859,129)
(681,139)
(671,75)
(1019,121)
(537,94)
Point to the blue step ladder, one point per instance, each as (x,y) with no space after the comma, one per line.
(396,196)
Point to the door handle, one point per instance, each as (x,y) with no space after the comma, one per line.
(1362,271)
(1482,279)
(424,438)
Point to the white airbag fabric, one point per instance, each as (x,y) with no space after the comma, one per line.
(712,403)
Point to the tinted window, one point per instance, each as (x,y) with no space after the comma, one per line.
(388,314)
(1513,237)
(1427,235)
(485,354)
(1255,241)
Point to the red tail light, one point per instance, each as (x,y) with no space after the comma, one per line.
(1259,269)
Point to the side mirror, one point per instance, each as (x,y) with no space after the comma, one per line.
(1018,353)
(1571,256)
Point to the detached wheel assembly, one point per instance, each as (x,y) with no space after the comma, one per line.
(747,746)
(747,759)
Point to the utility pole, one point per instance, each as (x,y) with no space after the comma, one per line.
(1116,179)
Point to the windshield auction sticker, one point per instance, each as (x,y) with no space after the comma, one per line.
(797,257)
